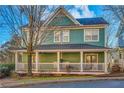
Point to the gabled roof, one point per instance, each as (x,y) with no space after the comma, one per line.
(79,21)
(92,21)
(56,12)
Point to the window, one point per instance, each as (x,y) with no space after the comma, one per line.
(61,36)
(65,36)
(57,36)
(91,35)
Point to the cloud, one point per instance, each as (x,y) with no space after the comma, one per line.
(87,12)
(75,13)
(82,12)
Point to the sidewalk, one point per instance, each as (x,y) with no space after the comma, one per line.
(9,83)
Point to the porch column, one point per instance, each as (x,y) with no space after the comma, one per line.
(105,59)
(16,60)
(81,61)
(58,61)
(37,60)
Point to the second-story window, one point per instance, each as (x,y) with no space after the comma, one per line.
(65,36)
(61,36)
(57,36)
(91,35)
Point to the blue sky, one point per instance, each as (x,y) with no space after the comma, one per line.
(77,11)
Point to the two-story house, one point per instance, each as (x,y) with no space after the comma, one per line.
(78,47)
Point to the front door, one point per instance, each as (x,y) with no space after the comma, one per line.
(91,61)
(91,58)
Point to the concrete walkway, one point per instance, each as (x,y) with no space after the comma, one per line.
(14,83)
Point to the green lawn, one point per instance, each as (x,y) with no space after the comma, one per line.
(49,78)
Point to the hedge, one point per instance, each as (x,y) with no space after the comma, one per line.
(6,69)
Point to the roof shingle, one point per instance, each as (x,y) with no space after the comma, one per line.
(69,46)
(92,21)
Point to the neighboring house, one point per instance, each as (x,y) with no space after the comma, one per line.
(80,46)
(120,47)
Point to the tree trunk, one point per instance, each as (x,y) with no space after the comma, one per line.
(29,62)
(29,48)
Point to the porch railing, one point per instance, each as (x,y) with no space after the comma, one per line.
(63,67)
(24,66)
(93,66)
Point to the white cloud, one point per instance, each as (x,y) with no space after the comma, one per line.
(82,12)
(87,12)
(75,13)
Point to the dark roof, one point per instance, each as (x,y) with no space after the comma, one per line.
(69,46)
(92,21)
(86,21)
(65,46)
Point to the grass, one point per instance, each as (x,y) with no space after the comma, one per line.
(49,78)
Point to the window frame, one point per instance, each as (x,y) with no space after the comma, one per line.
(59,37)
(92,35)
(63,36)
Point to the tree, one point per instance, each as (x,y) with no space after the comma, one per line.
(31,16)
(116,18)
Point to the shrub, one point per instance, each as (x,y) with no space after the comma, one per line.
(115,68)
(6,69)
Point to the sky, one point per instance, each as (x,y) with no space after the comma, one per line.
(84,11)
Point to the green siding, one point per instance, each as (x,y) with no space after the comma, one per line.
(24,58)
(61,20)
(50,38)
(101,41)
(48,57)
(77,37)
(66,57)
(71,57)
(100,56)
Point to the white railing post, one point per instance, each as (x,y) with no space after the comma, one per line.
(105,60)
(16,61)
(37,60)
(58,61)
(81,61)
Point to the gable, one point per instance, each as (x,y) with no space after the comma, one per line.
(61,20)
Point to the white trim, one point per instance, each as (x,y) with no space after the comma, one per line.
(81,60)
(37,60)
(59,37)
(70,16)
(66,50)
(57,11)
(96,54)
(16,61)
(91,40)
(58,61)
(68,36)
(105,59)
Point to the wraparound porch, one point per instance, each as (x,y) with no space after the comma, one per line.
(86,63)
